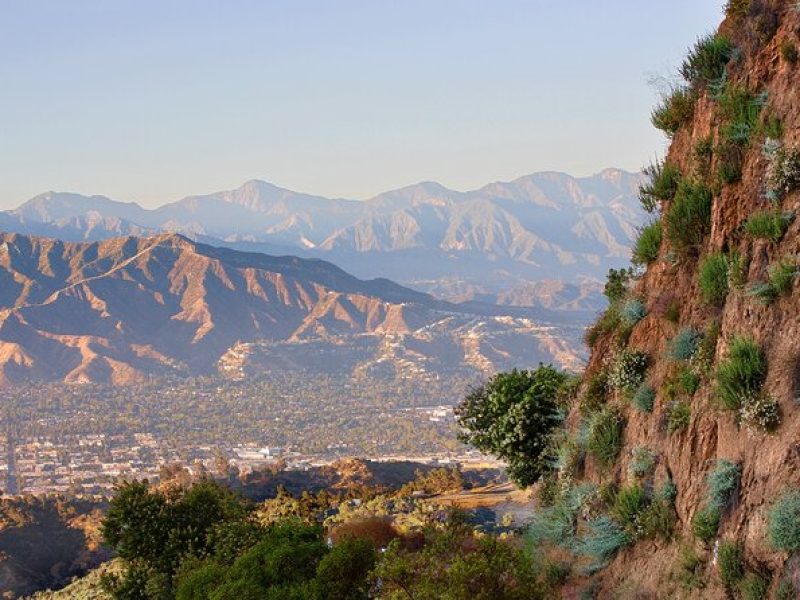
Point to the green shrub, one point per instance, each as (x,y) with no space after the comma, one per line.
(658,520)
(608,323)
(783,522)
(785,590)
(644,398)
(689,569)
(628,371)
(685,344)
(760,412)
(601,541)
(706,522)
(616,286)
(645,249)
(689,217)
(706,62)
(661,187)
(740,110)
(789,51)
(731,160)
(741,374)
(633,311)
(679,416)
(595,393)
(604,439)
(753,587)
(729,563)
(643,461)
(781,277)
(722,482)
(674,110)
(783,169)
(703,153)
(767,225)
(630,501)
(707,349)
(713,279)
(689,381)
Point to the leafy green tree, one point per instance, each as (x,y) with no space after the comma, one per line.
(512,416)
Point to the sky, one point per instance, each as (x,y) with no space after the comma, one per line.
(151,101)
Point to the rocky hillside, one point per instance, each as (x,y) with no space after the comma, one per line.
(691,393)
(124,308)
(458,245)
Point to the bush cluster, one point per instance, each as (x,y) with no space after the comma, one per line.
(647,245)
(679,415)
(741,374)
(780,280)
(689,218)
(783,169)
(729,563)
(628,371)
(713,278)
(661,185)
(768,225)
(644,398)
(685,344)
(675,109)
(705,63)
(760,412)
(633,311)
(643,461)
(604,435)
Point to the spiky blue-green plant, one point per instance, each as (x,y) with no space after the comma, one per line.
(644,398)
(633,311)
(783,522)
(602,539)
(685,344)
(722,482)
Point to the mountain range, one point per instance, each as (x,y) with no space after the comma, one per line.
(487,244)
(122,309)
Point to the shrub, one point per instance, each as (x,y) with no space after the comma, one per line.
(596,392)
(713,279)
(706,62)
(642,462)
(658,520)
(789,51)
(628,371)
(679,415)
(731,159)
(781,277)
(722,482)
(783,522)
(767,225)
(616,286)
(601,541)
(783,169)
(604,440)
(704,357)
(511,416)
(673,312)
(729,563)
(785,590)
(629,502)
(741,110)
(741,374)
(689,568)
(674,110)
(689,217)
(760,412)
(703,153)
(608,322)
(685,344)
(706,522)
(753,587)
(633,311)
(663,183)
(689,381)
(644,398)
(645,249)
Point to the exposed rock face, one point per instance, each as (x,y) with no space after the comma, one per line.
(124,308)
(769,462)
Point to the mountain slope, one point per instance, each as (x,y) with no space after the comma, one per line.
(123,308)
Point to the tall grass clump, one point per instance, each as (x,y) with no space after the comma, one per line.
(689,218)
(661,185)
(629,503)
(768,225)
(741,374)
(754,586)
(604,436)
(685,344)
(712,278)
(780,280)
(647,245)
(740,110)
(729,563)
(595,393)
(644,398)
(679,415)
(706,523)
(783,522)
(706,62)
(675,109)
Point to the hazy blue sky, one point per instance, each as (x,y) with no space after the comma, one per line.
(153,100)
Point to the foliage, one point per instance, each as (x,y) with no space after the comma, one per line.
(753,587)
(602,540)
(674,110)
(595,392)
(706,62)
(604,439)
(780,280)
(689,568)
(789,51)
(785,590)
(713,278)
(658,519)
(643,461)
(783,169)
(737,8)
(783,522)
(633,311)
(453,563)
(679,415)
(645,249)
(661,186)
(729,563)
(740,110)
(689,218)
(685,344)
(767,225)
(628,370)
(629,502)
(706,522)
(741,374)
(512,416)
(760,412)
(689,381)
(616,287)
(608,322)
(644,398)
(673,312)
(722,482)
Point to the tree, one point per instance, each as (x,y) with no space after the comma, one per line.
(511,416)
